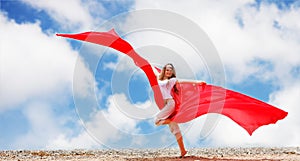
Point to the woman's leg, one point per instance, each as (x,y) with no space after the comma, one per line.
(174,128)
(165,112)
(180,144)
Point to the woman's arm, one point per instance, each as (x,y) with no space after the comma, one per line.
(190,81)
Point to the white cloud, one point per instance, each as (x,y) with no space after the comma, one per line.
(123,64)
(70,14)
(114,113)
(79,15)
(36,78)
(238,46)
(84,84)
(42,126)
(288,98)
(112,124)
(82,141)
(47,130)
(32,63)
(160,47)
(258,39)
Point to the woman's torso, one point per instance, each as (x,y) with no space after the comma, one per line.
(166,86)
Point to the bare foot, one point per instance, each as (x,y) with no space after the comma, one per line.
(183,153)
(162,122)
(159,122)
(167,121)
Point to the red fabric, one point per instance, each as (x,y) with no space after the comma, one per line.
(112,40)
(194,99)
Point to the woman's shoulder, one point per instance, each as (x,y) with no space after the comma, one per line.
(173,80)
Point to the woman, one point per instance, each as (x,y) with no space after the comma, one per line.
(167,82)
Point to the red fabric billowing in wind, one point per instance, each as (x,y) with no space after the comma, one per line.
(194,99)
(112,40)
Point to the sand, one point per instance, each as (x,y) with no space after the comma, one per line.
(203,154)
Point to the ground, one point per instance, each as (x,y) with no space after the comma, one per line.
(167,154)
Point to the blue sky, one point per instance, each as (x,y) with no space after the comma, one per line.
(63,94)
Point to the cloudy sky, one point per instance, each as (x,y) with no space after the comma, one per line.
(62,94)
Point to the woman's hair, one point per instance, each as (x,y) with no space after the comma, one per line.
(162,75)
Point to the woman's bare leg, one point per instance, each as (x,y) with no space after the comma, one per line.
(180,144)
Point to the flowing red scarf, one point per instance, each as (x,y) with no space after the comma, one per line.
(194,99)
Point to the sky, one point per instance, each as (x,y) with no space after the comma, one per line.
(57,93)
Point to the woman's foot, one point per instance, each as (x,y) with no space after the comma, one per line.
(167,121)
(159,122)
(183,153)
(162,122)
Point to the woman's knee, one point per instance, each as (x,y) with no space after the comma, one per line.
(174,128)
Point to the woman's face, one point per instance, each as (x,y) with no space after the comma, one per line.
(169,71)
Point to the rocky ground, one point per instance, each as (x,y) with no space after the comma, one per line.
(203,154)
